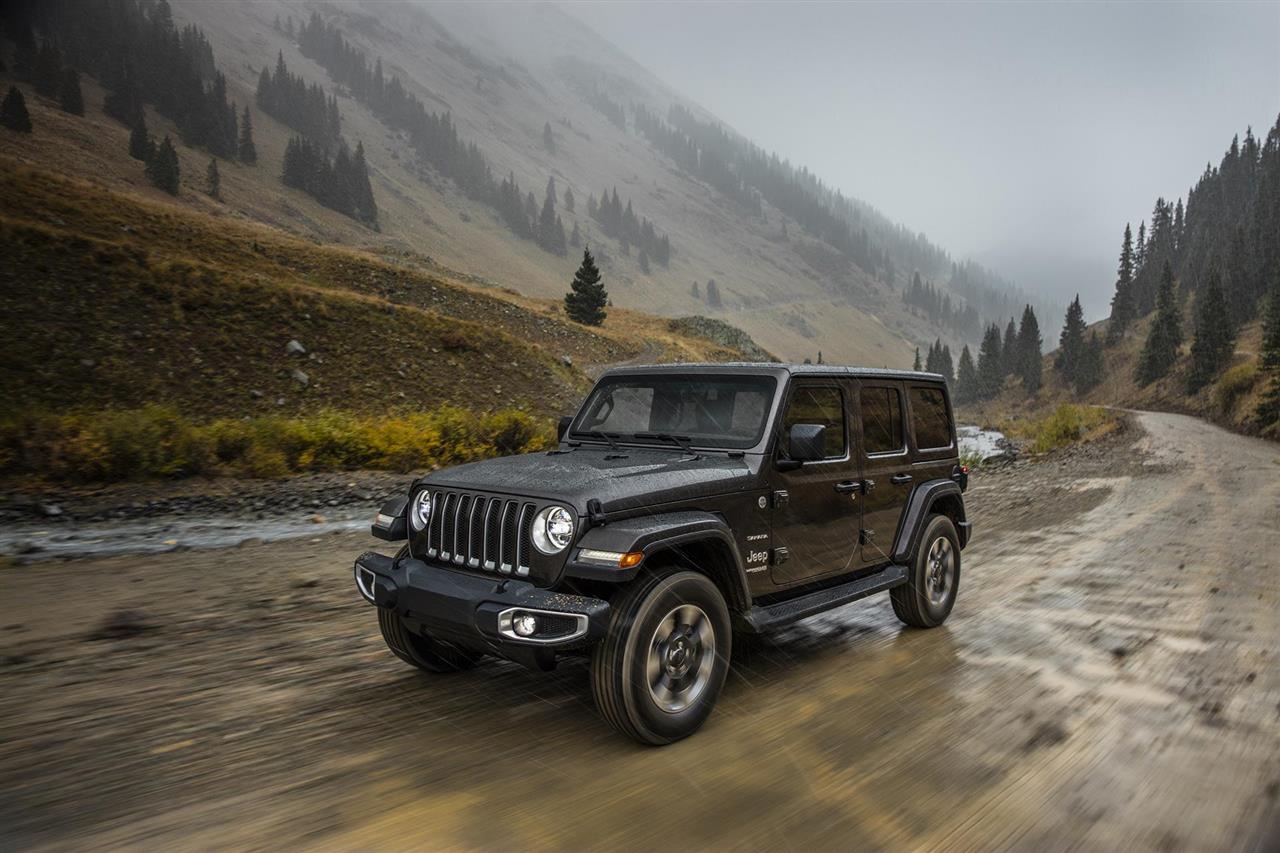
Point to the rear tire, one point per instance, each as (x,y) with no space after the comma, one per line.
(658,671)
(420,650)
(926,599)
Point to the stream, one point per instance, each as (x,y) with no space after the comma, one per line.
(63,538)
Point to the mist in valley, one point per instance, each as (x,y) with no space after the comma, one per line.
(1022,135)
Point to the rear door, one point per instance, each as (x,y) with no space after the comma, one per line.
(933,435)
(887,471)
(815,526)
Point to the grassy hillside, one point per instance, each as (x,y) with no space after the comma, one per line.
(789,292)
(114,300)
(1228,401)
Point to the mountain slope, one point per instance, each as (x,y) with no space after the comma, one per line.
(112,300)
(503,75)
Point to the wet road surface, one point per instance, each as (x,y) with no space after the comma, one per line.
(1107,680)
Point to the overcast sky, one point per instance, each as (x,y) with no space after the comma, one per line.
(1021,134)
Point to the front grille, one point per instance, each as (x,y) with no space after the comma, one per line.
(480,532)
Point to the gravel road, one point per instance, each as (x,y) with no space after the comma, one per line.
(1108,680)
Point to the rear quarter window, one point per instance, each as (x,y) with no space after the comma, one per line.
(930,420)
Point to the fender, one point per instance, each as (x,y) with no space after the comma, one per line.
(919,506)
(650,534)
(389,524)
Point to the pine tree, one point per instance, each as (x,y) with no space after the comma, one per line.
(568,199)
(162,169)
(24,52)
(124,103)
(575,239)
(365,207)
(245,149)
(548,141)
(643,260)
(915,365)
(1122,305)
(1070,343)
(713,295)
(1089,370)
(47,75)
(214,187)
(966,378)
(697,294)
(586,300)
(990,364)
(1140,249)
(140,145)
(1214,342)
(1010,349)
(1242,304)
(1029,343)
(1268,410)
(1161,349)
(13,112)
(945,365)
(69,98)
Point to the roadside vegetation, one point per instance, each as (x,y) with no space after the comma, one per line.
(157,442)
(150,342)
(1069,424)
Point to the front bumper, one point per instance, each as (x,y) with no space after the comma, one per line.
(477,611)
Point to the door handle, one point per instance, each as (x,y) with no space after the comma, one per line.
(900,479)
(849,486)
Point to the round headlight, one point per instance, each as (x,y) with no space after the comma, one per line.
(420,511)
(553,530)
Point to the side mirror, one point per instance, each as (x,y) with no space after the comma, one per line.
(563,427)
(808,442)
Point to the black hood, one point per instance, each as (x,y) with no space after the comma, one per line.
(642,477)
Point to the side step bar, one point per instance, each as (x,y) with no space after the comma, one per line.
(760,619)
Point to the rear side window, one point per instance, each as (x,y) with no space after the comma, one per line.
(882,420)
(817,405)
(929,419)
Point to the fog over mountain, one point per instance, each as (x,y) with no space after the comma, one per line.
(1022,135)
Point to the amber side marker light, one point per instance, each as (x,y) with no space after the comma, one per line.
(628,560)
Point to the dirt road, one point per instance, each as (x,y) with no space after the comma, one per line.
(1108,680)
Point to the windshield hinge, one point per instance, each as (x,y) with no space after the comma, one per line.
(595,513)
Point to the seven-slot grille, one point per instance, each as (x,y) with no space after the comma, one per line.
(480,532)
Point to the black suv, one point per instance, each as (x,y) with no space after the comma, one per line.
(683,503)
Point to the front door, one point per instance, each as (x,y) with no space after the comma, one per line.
(886,466)
(815,529)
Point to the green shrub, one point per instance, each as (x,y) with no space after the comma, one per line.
(1234,382)
(1068,424)
(156,442)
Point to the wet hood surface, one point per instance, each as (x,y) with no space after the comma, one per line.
(640,477)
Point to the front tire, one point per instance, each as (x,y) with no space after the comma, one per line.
(660,668)
(926,599)
(420,650)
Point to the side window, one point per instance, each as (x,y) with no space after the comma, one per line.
(929,418)
(882,420)
(818,405)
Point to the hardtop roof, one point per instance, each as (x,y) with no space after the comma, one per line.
(777,368)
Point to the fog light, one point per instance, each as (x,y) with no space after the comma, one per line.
(525,624)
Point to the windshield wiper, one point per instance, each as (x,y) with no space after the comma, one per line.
(609,438)
(682,441)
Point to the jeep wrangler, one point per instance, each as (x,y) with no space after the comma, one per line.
(683,503)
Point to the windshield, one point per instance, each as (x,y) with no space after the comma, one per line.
(711,411)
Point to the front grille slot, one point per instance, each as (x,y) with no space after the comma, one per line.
(481,532)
